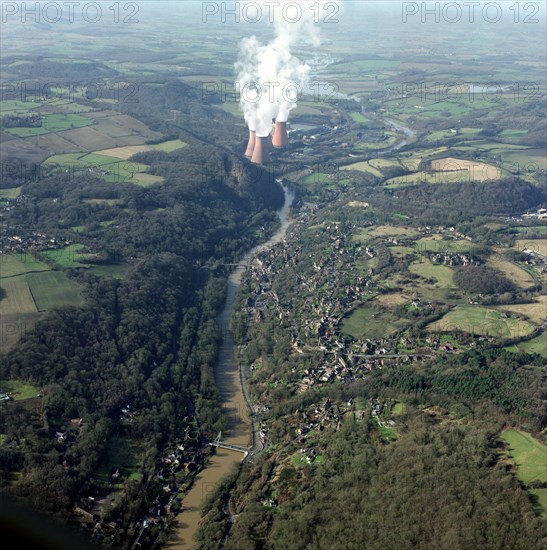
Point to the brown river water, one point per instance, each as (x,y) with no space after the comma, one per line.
(239,427)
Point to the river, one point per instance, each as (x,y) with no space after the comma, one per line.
(239,427)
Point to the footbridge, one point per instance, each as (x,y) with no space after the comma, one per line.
(218,443)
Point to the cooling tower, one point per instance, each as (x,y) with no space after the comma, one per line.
(261,153)
(280,137)
(251,144)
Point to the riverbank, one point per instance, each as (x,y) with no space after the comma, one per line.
(235,407)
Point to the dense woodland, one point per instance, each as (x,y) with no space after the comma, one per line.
(482,280)
(439,485)
(452,203)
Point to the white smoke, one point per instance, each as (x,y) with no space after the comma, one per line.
(269,76)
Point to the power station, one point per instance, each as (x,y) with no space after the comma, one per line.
(259,147)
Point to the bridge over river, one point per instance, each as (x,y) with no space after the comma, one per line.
(218,443)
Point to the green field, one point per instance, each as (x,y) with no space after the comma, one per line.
(512,133)
(169,146)
(71,257)
(52,123)
(441,273)
(29,294)
(439,135)
(358,117)
(366,322)
(52,289)
(535,345)
(19,264)
(530,457)
(437,243)
(482,321)
(526,231)
(68,256)
(469,131)
(398,408)
(11,193)
(18,389)
(523,160)
(110,169)
(363,167)
(15,107)
(18,298)
(316,177)
(519,276)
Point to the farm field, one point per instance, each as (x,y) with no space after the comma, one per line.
(536,311)
(71,257)
(358,117)
(52,143)
(530,230)
(364,67)
(392,231)
(420,177)
(439,135)
(109,130)
(535,345)
(513,272)
(169,146)
(11,193)
(363,167)
(530,457)
(18,264)
(448,170)
(537,245)
(391,300)
(468,170)
(358,204)
(36,291)
(125,153)
(317,177)
(68,256)
(481,321)
(52,123)
(523,159)
(441,273)
(52,289)
(385,231)
(366,322)
(109,169)
(438,243)
(22,277)
(122,153)
(16,107)
(18,298)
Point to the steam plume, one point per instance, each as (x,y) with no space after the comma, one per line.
(269,76)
